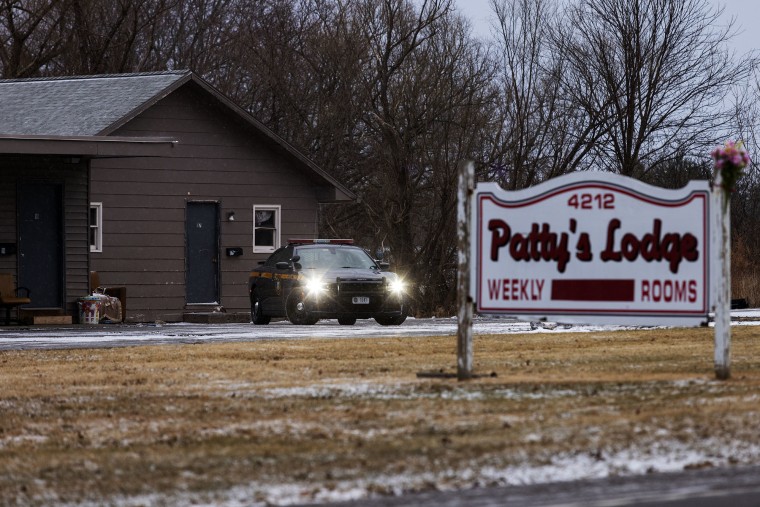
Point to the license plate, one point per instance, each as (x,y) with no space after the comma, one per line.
(360,300)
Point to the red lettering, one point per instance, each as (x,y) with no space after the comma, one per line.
(539,244)
(645,290)
(680,291)
(671,247)
(535,238)
(499,237)
(669,291)
(494,287)
(657,291)
(515,289)
(650,243)
(524,289)
(630,247)
(689,246)
(584,248)
(609,253)
(671,250)
(519,248)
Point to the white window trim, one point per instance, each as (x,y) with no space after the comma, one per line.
(98,246)
(277,220)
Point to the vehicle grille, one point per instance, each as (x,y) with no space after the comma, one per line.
(358,287)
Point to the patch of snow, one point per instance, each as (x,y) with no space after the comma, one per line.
(664,456)
(177,333)
(13,440)
(398,391)
(331,390)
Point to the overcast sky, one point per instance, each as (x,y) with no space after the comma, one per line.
(747,13)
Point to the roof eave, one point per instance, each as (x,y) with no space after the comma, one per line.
(332,194)
(87,146)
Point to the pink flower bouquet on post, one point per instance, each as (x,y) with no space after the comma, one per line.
(730,159)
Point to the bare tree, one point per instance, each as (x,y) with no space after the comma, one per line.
(425,88)
(197,34)
(549,113)
(745,203)
(33,33)
(63,37)
(662,67)
(296,66)
(116,36)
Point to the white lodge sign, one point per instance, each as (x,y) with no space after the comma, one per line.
(593,248)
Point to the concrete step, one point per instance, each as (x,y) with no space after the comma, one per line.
(44,316)
(216,318)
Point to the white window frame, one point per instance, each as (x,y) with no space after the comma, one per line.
(98,226)
(277,220)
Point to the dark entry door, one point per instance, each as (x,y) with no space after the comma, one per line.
(40,243)
(202,233)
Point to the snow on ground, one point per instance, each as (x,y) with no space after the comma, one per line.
(176,333)
(664,456)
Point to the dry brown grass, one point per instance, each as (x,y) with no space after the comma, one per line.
(745,273)
(94,425)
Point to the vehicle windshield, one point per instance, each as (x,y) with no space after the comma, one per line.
(335,258)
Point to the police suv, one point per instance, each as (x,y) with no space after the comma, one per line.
(312,279)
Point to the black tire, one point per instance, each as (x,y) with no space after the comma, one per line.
(346,321)
(390,320)
(296,311)
(257,316)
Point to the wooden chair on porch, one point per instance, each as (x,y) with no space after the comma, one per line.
(10,296)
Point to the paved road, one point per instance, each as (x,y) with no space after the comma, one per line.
(732,487)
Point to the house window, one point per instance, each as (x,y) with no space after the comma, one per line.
(266,229)
(96,227)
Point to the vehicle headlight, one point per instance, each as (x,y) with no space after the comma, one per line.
(397,286)
(315,285)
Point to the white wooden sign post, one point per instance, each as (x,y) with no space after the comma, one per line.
(464,300)
(730,160)
(599,248)
(722,244)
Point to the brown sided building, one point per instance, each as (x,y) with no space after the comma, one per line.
(155,181)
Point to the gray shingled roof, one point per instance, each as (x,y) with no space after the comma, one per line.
(78,106)
(98,105)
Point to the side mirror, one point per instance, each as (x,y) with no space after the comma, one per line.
(295,258)
(282,265)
